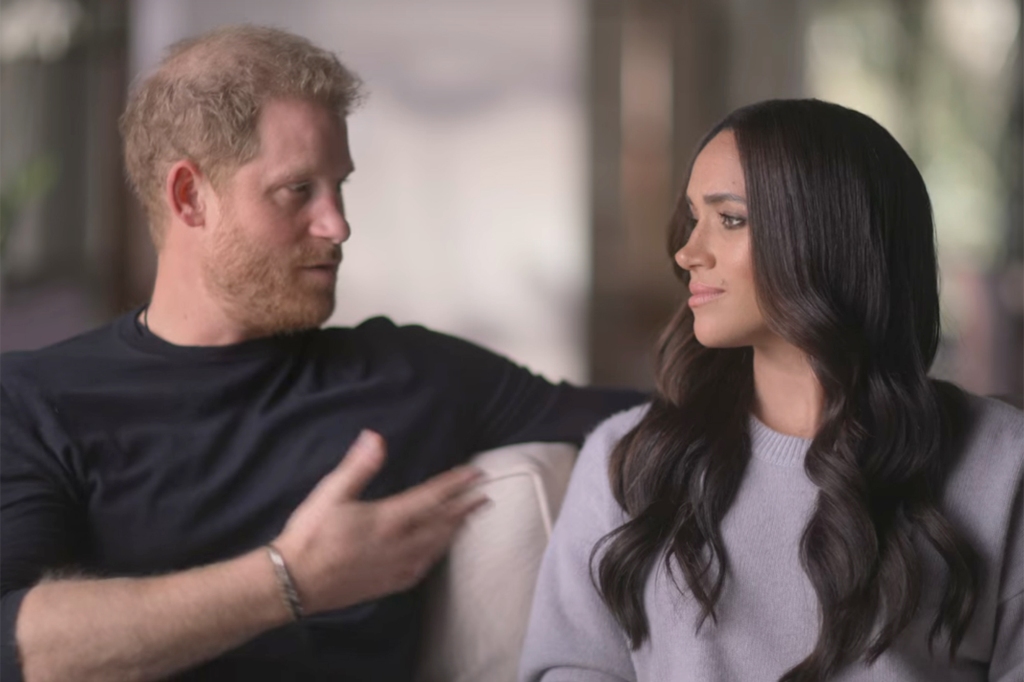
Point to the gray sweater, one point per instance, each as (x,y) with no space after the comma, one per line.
(768,612)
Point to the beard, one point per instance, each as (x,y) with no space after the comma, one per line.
(267,290)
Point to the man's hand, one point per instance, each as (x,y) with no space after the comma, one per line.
(341,551)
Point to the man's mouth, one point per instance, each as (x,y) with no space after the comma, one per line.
(324,270)
(329,263)
(323,262)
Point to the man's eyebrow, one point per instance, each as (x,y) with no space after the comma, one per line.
(299,174)
(723,196)
(290,176)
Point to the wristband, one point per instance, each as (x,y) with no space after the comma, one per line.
(284,580)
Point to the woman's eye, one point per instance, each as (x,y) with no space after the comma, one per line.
(733,222)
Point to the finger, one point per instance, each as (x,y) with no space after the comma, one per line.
(449,517)
(361,463)
(437,532)
(426,497)
(461,508)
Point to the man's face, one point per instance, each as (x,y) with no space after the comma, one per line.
(274,247)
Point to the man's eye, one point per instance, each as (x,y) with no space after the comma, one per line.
(733,221)
(300,188)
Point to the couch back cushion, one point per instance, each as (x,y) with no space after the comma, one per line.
(478,598)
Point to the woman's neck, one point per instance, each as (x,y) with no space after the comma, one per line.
(788,397)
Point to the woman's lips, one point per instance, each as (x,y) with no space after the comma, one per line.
(702,293)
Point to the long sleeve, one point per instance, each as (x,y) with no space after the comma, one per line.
(1007,664)
(504,402)
(572,636)
(41,529)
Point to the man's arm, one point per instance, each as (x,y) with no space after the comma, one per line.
(507,403)
(145,628)
(339,551)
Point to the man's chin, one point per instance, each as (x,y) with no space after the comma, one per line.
(295,316)
(312,318)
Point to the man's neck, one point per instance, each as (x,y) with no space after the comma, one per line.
(184,312)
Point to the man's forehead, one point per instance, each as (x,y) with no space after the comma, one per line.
(301,133)
(299,119)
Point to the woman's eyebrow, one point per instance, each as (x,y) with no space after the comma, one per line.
(723,196)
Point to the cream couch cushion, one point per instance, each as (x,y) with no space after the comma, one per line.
(478,599)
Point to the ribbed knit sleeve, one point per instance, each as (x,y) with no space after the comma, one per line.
(572,637)
(999,439)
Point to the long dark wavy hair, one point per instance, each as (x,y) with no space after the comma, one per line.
(843,254)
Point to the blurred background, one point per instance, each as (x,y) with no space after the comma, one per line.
(518,159)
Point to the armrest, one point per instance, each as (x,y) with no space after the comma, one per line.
(478,599)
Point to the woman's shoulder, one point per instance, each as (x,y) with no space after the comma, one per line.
(997,410)
(612,429)
(984,492)
(987,477)
(590,483)
(602,440)
(996,432)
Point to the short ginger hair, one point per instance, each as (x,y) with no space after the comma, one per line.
(204,100)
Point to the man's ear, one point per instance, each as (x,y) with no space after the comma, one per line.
(183,193)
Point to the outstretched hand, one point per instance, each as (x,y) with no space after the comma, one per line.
(341,551)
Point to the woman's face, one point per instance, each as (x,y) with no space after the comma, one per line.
(717,254)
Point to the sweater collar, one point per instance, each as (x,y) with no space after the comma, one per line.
(774,447)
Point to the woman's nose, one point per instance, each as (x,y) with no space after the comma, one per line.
(694,253)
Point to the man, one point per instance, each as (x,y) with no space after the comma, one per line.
(173,501)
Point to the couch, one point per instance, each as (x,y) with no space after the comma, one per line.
(478,598)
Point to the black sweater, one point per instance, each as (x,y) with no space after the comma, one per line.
(124,455)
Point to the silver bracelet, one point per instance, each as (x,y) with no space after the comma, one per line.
(284,579)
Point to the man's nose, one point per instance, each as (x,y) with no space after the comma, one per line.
(330,223)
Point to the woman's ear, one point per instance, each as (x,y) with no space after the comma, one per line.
(183,195)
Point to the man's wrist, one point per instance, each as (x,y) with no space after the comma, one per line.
(285,583)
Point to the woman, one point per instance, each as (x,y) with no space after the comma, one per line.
(799,501)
